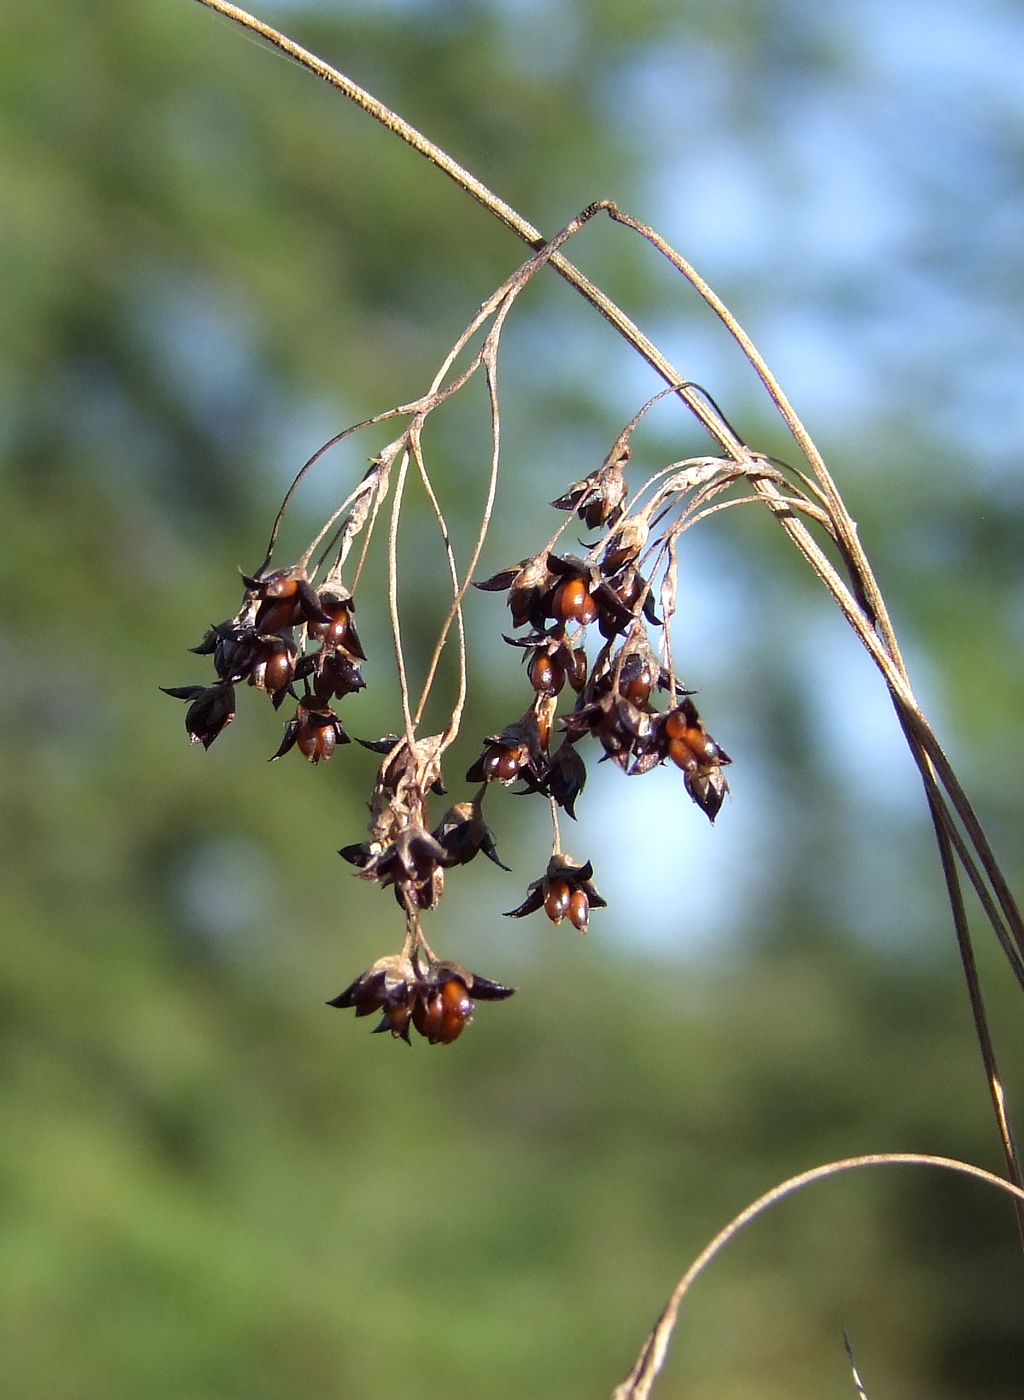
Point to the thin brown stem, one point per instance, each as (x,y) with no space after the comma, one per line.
(637,1385)
(977,1000)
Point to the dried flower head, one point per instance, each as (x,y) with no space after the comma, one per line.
(211,711)
(565,891)
(436,999)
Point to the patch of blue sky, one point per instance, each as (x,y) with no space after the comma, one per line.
(676,885)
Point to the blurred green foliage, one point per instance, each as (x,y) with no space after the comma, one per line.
(212,1187)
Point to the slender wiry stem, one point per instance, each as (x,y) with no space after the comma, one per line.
(981,1025)
(796,427)
(637,1385)
(958,831)
(396,621)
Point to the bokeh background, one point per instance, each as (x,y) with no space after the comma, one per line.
(212,1187)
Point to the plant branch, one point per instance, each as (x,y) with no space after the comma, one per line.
(637,1385)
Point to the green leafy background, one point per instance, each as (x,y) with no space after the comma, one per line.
(213,1187)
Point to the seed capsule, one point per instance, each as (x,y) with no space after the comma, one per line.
(692,741)
(284,584)
(576,671)
(557,900)
(457,1010)
(636,680)
(572,602)
(316,741)
(629,589)
(273,668)
(681,754)
(428,1015)
(579,910)
(278,614)
(502,765)
(546,672)
(683,725)
(316,733)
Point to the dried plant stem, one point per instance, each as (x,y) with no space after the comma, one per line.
(490,201)
(396,621)
(848,1345)
(847,528)
(981,1025)
(958,831)
(637,1385)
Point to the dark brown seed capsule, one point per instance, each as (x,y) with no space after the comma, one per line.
(278,614)
(547,675)
(285,586)
(576,670)
(572,602)
(557,900)
(277,672)
(636,680)
(339,630)
(334,675)
(457,1010)
(629,589)
(579,910)
(428,1015)
(502,765)
(316,742)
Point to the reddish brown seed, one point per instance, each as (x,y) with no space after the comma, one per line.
(675,725)
(557,900)
(277,672)
(543,715)
(681,754)
(337,632)
(547,675)
(638,688)
(282,586)
(629,589)
(428,1014)
(573,603)
(277,614)
(579,910)
(317,742)
(457,1010)
(697,740)
(502,765)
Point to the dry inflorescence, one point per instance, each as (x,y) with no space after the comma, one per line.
(294,637)
(594,639)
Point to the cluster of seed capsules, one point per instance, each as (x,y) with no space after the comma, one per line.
(434,998)
(267,646)
(557,597)
(259,646)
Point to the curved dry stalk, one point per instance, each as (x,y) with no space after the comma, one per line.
(456,609)
(845,524)
(637,1385)
(795,503)
(521,227)
(859,598)
(455,612)
(396,621)
(499,305)
(977,1000)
